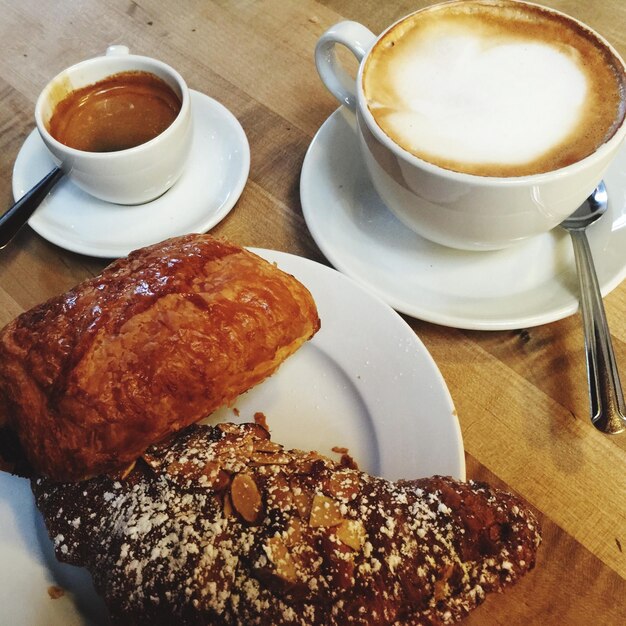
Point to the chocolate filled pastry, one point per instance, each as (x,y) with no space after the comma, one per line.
(221,525)
(157,341)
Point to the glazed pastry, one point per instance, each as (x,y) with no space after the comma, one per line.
(160,339)
(221,525)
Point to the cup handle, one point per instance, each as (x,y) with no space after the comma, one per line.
(116,50)
(358,40)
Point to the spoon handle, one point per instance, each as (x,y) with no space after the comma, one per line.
(605,390)
(18,214)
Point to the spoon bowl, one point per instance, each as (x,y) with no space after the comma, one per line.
(589,211)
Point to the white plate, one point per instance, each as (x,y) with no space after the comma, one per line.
(531,283)
(208,189)
(365,381)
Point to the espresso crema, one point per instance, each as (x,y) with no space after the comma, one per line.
(119,112)
(495,88)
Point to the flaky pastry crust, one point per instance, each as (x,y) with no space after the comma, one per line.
(157,341)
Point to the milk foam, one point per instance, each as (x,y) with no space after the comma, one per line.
(466,92)
(457,98)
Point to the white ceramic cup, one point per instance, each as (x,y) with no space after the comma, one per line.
(132,176)
(459,210)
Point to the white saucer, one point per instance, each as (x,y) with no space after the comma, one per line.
(529,284)
(208,189)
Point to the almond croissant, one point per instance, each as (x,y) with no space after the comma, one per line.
(157,341)
(221,525)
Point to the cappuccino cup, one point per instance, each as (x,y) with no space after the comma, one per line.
(481,122)
(118,125)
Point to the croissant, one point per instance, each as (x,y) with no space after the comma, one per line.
(157,341)
(221,525)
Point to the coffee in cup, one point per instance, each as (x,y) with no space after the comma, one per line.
(481,122)
(119,125)
(119,112)
(494,88)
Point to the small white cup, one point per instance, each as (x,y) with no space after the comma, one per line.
(458,210)
(132,176)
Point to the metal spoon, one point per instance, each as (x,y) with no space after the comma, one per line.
(605,390)
(18,214)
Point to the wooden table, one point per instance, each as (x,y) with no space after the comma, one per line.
(521,395)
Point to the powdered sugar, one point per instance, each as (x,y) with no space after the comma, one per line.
(164,546)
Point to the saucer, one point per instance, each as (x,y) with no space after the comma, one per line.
(533,282)
(210,186)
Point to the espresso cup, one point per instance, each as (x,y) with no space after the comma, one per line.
(481,122)
(133,175)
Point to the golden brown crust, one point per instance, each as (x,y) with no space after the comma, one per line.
(157,341)
(221,525)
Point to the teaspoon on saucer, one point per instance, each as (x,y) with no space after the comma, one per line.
(605,391)
(18,214)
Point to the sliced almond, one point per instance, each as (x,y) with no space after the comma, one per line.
(209,476)
(228,427)
(270,458)
(246,497)
(293,533)
(302,497)
(267,445)
(257,430)
(152,460)
(227,503)
(324,512)
(352,533)
(176,469)
(344,484)
(307,463)
(278,554)
(278,492)
(233,452)
(214,477)
(339,563)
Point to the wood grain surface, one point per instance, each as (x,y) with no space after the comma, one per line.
(521,395)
